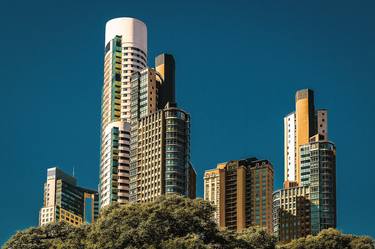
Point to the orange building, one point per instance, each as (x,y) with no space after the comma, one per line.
(241,191)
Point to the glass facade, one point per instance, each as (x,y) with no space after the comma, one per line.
(176,151)
(71,199)
(305,164)
(65,201)
(111,96)
(322,186)
(318,171)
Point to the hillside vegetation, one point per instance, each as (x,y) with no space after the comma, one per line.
(169,223)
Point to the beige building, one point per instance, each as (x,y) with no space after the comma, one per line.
(213,190)
(161,155)
(291,213)
(160,136)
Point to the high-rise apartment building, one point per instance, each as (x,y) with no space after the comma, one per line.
(160,135)
(310,162)
(125,53)
(144,87)
(241,191)
(162,155)
(145,146)
(65,201)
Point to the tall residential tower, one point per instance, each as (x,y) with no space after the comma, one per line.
(145,146)
(125,53)
(309,175)
(160,135)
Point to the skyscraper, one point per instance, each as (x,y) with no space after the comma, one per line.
(162,155)
(310,162)
(160,135)
(65,201)
(125,53)
(241,191)
(145,146)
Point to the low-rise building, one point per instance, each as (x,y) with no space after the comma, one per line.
(65,201)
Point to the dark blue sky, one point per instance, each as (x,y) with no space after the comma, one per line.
(239,64)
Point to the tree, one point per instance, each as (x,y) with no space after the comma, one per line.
(52,236)
(168,223)
(331,239)
(362,243)
(143,224)
(255,237)
(190,241)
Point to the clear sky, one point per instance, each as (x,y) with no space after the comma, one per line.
(238,63)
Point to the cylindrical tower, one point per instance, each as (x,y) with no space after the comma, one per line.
(125,53)
(127,39)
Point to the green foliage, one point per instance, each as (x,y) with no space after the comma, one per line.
(141,225)
(191,241)
(331,239)
(169,223)
(257,238)
(52,236)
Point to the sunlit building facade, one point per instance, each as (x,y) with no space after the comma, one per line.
(145,145)
(310,162)
(214,180)
(291,213)
(160,136)
(241,192)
